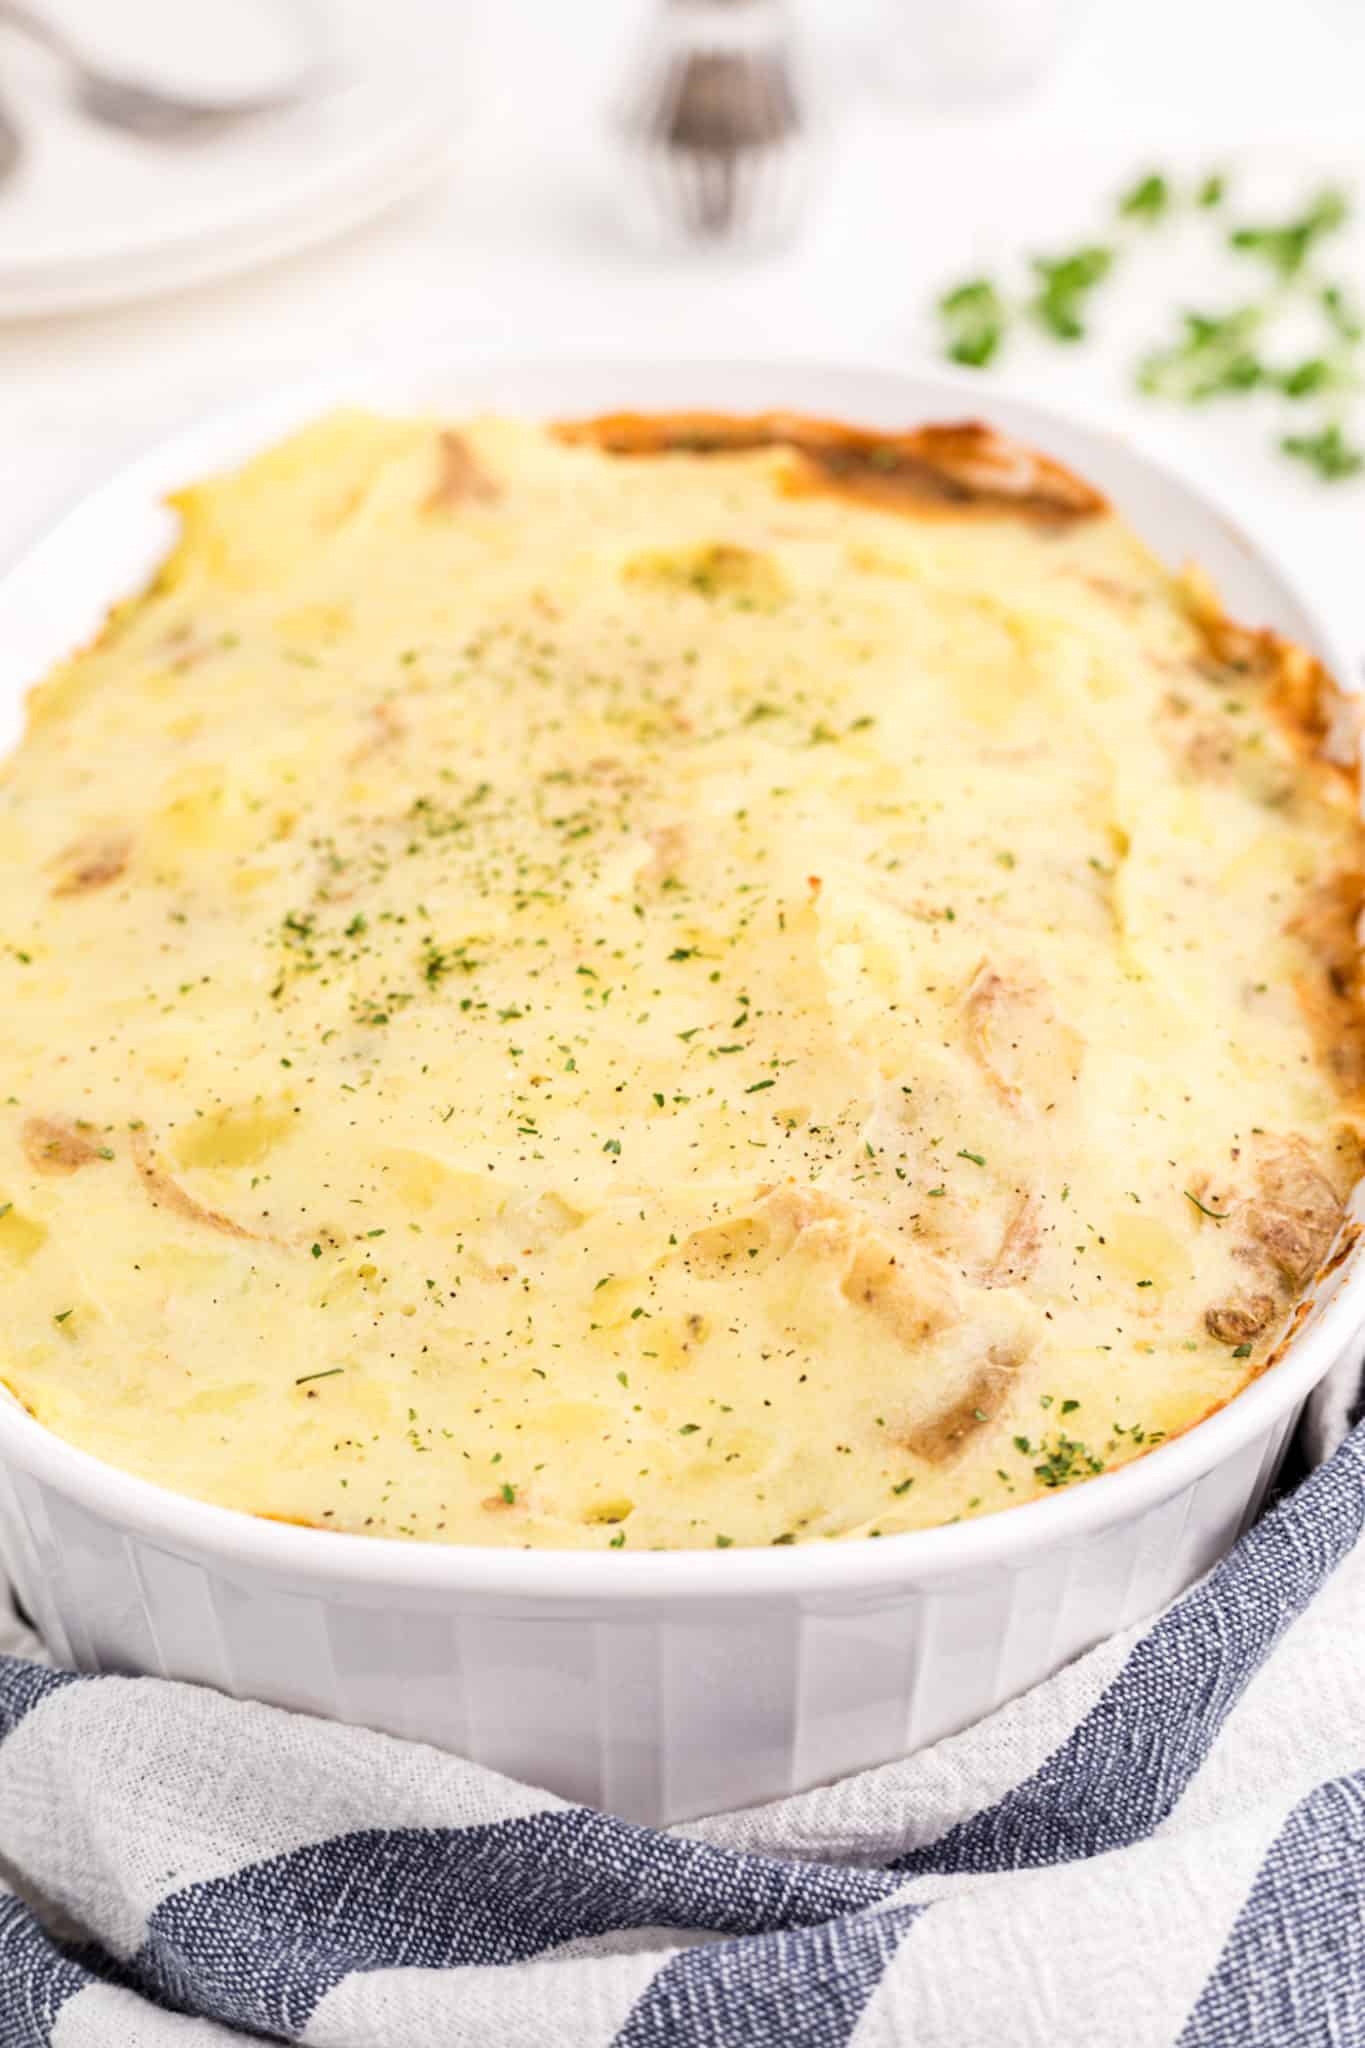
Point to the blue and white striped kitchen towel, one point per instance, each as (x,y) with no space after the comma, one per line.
(1163,1845)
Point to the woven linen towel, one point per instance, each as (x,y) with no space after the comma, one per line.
(1163,1845)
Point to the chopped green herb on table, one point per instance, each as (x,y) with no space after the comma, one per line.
(1210,354)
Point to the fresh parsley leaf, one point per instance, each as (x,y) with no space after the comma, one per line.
(974,318)
(1212,357)
(1328,452)
(1064,287)
(1287,246)
(1307,379)
(1206,355)
(1343,315)
(1149,200)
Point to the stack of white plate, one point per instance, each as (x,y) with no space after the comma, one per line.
(93,216)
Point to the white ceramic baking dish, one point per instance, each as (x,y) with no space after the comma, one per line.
(661,1685)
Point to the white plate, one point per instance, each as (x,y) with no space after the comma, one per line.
(658,1684)
(94,217)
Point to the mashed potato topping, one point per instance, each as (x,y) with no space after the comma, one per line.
(656,983)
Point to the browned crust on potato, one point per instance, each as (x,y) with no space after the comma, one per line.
(1346,1244)
(1323,725)
(166,1193)
(387,729)
(1241,1318)
(946,466)
(1019,1247)
(56,1144)
(875,1279)
(1324,728)
(1291,1330)
(793,1206)
(776,1220)
(1332,994)
(1295,1213)
(460,478)
(1297,686)
(92,863)
(1002,1007)
(1206,753)
(947,1432)
(669,843)
(989,990)
(873,1272)
(1288,1229)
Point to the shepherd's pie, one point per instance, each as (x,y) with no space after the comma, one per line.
(661,982)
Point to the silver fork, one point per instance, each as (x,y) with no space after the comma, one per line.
(147,111)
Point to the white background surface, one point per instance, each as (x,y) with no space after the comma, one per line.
(519,243)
